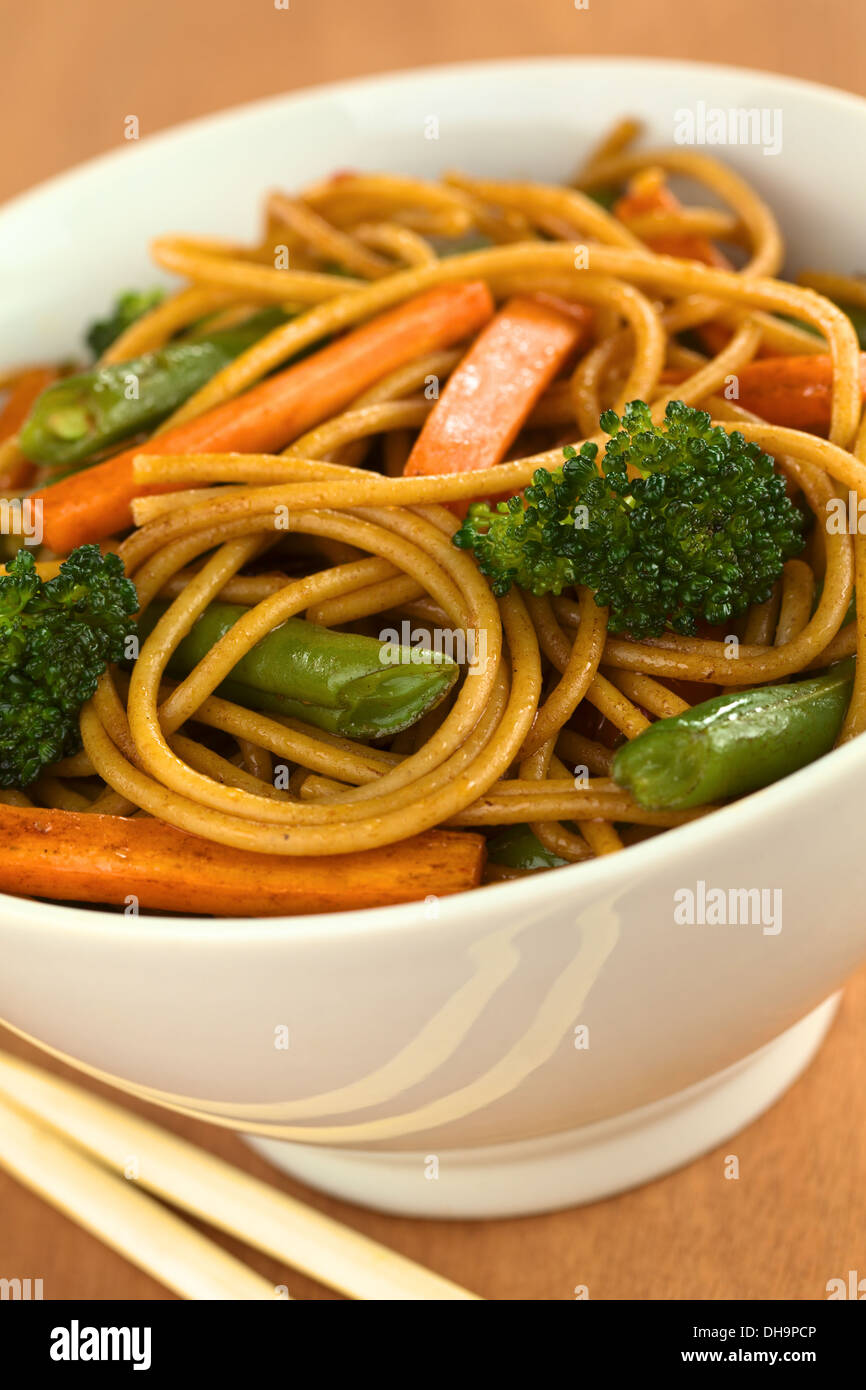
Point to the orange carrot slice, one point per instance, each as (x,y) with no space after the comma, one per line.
(649,192)
(490,394)
(792,391)
(96,502)
(105,859)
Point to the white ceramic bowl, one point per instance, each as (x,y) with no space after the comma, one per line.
(432,1064)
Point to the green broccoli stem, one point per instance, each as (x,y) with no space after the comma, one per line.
(82,415)
(736,743)
(338,681)
(129,306)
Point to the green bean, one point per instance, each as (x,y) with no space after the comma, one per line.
(338,681)
(518,847)
(82,415)
(735,743)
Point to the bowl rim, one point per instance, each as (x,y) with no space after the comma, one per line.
(598,876)
(461,71)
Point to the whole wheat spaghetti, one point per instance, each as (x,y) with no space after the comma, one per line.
(331,507)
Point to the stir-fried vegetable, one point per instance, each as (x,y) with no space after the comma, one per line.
(85,414)
(685,522)
(857,315)
(128,307)
(736,743)
(518,847)
(605,195)
(649,192)
(337,681)
(855,312)
(792,391)
(103,859)
(492,391)
(28,387)
(56,639)
(97,503)
(131,305)
(667,526)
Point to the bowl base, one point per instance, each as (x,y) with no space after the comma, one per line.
(569,1168)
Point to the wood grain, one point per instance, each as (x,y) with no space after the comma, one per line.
(793,1219)
(73,72)
(796,1216)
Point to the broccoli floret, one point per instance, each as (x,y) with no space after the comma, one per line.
(56,639)
(683,522)
(128,307)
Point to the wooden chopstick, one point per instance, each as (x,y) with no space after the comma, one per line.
(222,1195)
(144,1231)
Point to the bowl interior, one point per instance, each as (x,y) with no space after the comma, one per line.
(69,246)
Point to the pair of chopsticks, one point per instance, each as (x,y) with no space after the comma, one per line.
(75,1150)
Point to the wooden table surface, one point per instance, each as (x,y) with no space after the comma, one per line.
(797,1215)
(795,1218)
(73,72)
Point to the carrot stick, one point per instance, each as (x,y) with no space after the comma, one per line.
(96,502)
(89,858)
(648,192)
(27,387)
(490,394)
(792,391)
